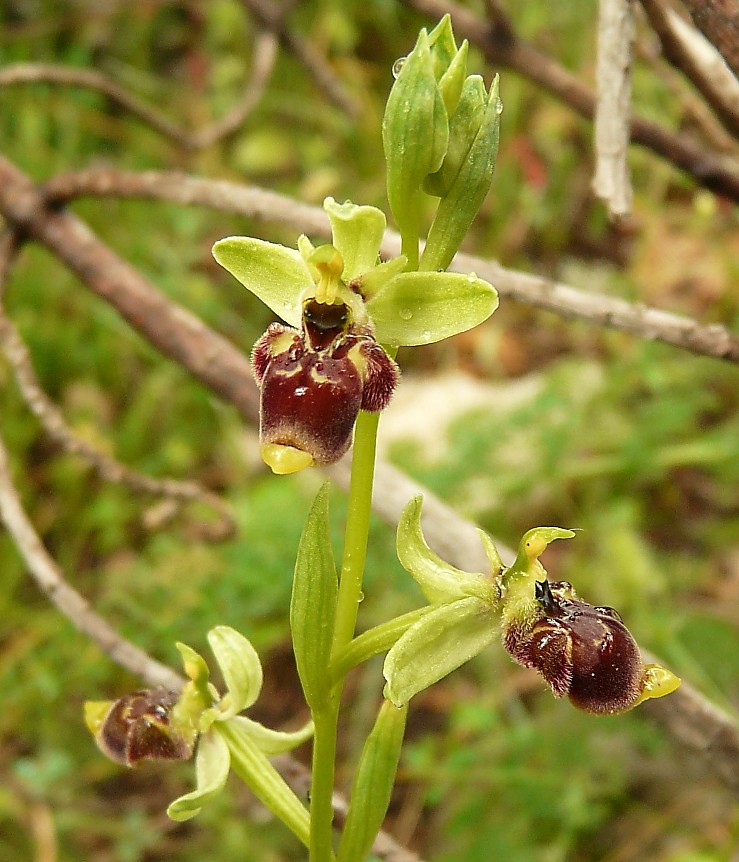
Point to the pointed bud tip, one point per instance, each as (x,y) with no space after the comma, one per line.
(283,460)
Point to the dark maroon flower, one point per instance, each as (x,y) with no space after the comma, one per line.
(314,383)
(137,727)
(582,651)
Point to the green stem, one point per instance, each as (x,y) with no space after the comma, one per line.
(347,606)
(255,770)
(372,642)
(357,528)
(322,785)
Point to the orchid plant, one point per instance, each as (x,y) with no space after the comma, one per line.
(325,374)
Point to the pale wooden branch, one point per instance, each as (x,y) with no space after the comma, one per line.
(561,299)
(718,20)
(265,55)
(612,180)
(504,48)
(691,720)
(73,606)
(108,468)
(272,18)
(687,50)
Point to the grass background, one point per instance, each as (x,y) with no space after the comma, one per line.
(635,443)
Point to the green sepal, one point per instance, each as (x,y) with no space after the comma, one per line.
(212,764)
(241,669)
(313,603)
(443,45)
(439,581)
(272,742)
(195,666)
(357,233)
(415,132)
(274,273)
(463,199)
(424,307)
(445,638)
(373,784)
(452,81)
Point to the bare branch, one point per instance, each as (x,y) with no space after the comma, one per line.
(561,299)
(273,19)
(53,422)
(718,20)
(69,76)
(612,181)
(265,54)
(50,580)
(719,174)
(688,51)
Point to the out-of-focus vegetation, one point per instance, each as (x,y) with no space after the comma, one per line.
(635,443)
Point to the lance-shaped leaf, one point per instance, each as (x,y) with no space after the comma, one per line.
(445,638)
(313,603)
(272,742)
(211,768)
(424,307)
(373,784)
(460,204)
(241,669)
(438,580)
(276,274)
(357,233)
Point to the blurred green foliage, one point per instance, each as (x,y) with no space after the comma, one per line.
(635,443)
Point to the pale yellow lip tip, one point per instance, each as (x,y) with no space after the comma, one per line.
(283,460)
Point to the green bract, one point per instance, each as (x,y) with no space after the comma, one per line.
(405,307)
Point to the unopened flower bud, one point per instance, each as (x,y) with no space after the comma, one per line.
(138,727)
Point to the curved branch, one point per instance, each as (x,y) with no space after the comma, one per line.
(505,48)
(265,55)
(53,422)
(561,299)
(709,74)
(718,20)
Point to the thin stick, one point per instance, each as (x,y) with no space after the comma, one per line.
(718,20)
(687,50)
(55,425)
(52,583)
(612,180)
(561,299)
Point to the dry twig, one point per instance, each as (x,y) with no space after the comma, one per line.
(503,48)
(718,20)
(699,61)
(612,181)
(561,299)
(55,425)
(265,54)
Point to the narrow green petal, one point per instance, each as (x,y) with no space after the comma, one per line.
(424,307)
(439,580)
(211,768)
(276,274)
(445,638)
(271,742)
(241,669)
(357,233)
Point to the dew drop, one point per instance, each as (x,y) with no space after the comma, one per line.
(405,313)
(360,597)
(472,277)
(398,65)
(499,107)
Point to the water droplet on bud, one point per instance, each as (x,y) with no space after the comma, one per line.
(499,107)
(398,65)
(405,313)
